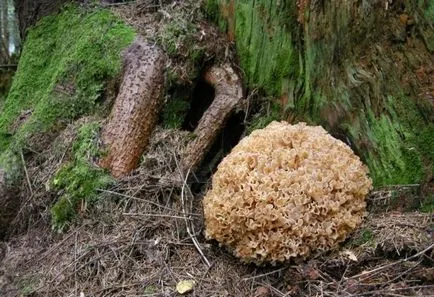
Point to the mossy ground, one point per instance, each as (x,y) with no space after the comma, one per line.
(66,62)
(353,73)
(79,180)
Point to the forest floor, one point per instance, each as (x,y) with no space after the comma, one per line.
(136,242)
(145,234)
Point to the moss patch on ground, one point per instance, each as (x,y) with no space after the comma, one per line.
(79,180)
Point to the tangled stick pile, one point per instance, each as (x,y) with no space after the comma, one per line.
(286,191)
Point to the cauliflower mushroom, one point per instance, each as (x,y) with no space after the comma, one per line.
(286,191)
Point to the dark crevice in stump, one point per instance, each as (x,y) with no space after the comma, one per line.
(228,137)
(202,97)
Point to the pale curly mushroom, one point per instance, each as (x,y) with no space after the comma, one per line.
(286,191)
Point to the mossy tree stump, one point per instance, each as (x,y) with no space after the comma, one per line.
(362,70)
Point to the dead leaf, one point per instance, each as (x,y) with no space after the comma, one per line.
(262,292)
(350,255)
(185,286)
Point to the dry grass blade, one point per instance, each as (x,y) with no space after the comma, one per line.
(27,174)
(381,268)
(187,223)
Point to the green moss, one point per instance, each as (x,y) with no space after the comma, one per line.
(65,62)
(427,204)
(364,237)
(79,180)
(86,145)
(270,112)
(403,152)
(339,70)
(393,163)
(265,45)
(429,12)
(211,10)
(174,113)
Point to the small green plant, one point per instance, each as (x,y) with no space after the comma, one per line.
(26,287)
(366,236)
(150,290)
(79,180)
(427,205)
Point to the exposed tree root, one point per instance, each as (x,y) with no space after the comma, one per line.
(135,112)
(228,96)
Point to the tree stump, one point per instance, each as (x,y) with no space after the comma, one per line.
(228,96)
(135,112)
(362,71)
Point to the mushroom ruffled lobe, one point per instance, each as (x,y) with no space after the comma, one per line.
(286,191)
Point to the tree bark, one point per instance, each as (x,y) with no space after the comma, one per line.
(135,112)
(362,69)
(30,11)
(4,33)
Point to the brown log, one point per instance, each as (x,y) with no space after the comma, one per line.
(135,112)
(228,96)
